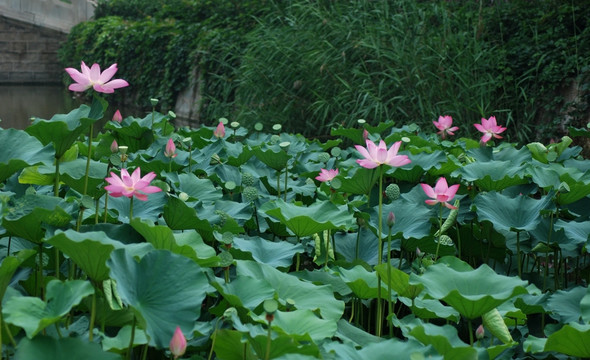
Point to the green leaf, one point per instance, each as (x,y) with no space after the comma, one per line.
(91,250)
(303,322)
(201,189)
(572,339)
(361,182)
(493,175)
(493,321)
(148,210)
(9,266)
(276,254)
(48,348)
(165,290)
(506,213)
(444,339)
(305,221)
(472,293)
(399,281)
(73,174)
(20,150)
(276,160)
(120,343)
(305,294)
(34,315)
(362,282)
(245,292)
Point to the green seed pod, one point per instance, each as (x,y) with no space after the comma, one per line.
(247,179)
(323,157)
(392,191)
(445,240)
(250,193)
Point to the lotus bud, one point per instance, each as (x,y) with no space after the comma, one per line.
(479,332)
(392,192)
(114,147)
(219,131)
(390,219)
(117,117)
(365,134)
(178,343)
(170,150)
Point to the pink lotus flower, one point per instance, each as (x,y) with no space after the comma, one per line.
(489,128)
(170,149)
(327,175)
(92,77)
(114,147)
(219,131)
(378,155)
(130,186)
(117,117)
(441,193)
(178,343)
(445,125)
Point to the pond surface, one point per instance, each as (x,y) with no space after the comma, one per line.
(18,103)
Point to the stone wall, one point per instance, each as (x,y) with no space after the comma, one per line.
(28,53)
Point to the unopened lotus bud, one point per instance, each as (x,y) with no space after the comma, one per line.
(323,157)
(390,219)
(178,343)
(248,179)
(419,252)
(250,193)
(392,192)
(365,134)
(114,147)
(480,332)
(117,117)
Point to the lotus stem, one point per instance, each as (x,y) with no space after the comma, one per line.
(278,184)
(92,317)
(56,182)
(379,314)
(286,179)
(88,159)
(268,341)
(518,254)
(389,304)
(470,332)
(440,222)
(132,338)
(131,208)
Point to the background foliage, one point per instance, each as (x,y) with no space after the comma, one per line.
(313,64)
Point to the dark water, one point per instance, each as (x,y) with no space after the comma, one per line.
(18,103)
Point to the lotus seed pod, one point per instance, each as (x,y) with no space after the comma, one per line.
(250,193)
(323,157)
(247,179)
(445,240)
(392,191)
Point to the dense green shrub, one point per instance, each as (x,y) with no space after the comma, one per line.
(312,64)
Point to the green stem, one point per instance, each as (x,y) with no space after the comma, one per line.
(268,341)
(278,184)
(96,212)
(130,348)
(470,332)
(88,160)
(439,231)
(518,254)
(389,303)
(214,336)
(131,208)
(358,242)
(56,183)
(8,332)
(40,273)
(92,317)
(379,314)
(286,179)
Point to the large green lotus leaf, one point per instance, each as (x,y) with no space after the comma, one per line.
(410,349)
(231,345)
(27,216)
(362,282)
(399,281)
(576,232)
(20,150)
(305,294)
(445,340)
(346,245)
(283,347)
(149,210)
(135,133)
(421,162)
(430,309)
(361,182)
(532,304)
(274,158)
(352,334)
(533,344)
(331,278)
(300,323)
(472,293)
(120,343)
(578,187)
(91,250)
(544,175)
(62,130)
(412,219)
(276,254)
(564,305)
(237,153)
(492,175)
(8,267)
(309,220)
(585,307)
(188,244)
(180,216)
(48,348)
(165,289)
(506,213)
(73,173)
(245,292)
(201,189)
(33,314)
(572,339)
